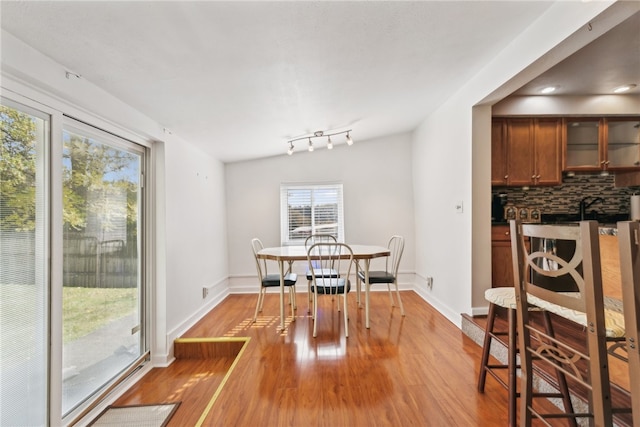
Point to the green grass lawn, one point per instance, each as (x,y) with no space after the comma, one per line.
(85,310)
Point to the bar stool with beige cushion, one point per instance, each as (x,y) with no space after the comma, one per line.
(585,307)
(628,240)
(505,297)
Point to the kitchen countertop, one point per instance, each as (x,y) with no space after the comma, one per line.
(606,221)
(609,219)
(610,229)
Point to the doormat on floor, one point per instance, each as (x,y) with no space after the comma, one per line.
(155,415)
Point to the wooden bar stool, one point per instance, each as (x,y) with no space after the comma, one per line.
(586,363)
(629,242)
(505,297)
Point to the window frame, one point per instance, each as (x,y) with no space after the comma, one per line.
(285,188)
(118,140)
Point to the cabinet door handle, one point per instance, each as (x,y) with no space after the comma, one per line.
(506,233)
(533,177)
(537,176)
(602,162)
(607,162)
(506,177)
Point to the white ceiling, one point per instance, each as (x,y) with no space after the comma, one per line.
(609,61)
(240,79)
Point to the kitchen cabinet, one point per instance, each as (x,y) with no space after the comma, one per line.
(501,262)
(526,151)
(501,258)
(622,142)
(602,144)
(499,173)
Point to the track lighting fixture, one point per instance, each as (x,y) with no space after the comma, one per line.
(320,134)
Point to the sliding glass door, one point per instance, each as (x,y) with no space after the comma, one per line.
(102,276)
(72,324)
(24,274)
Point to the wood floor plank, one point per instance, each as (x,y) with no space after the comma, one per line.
(415,370)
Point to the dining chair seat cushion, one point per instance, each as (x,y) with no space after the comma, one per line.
(271,280)
(328,286)
(502,296)
(322,272)
(613,319)
(378,277)
(505,296)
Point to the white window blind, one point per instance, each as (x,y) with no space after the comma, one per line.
(24,274)
(310,209)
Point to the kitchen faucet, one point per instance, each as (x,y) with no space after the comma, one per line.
(584,205)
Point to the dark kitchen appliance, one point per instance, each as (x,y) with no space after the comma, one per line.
(498,202)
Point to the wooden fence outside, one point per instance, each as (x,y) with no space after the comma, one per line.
(91,263)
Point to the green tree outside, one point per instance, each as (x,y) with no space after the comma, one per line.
(17,170)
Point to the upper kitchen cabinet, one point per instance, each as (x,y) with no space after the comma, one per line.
(526,151)
(595,144)
(499,175)
(623,142)
(582,144)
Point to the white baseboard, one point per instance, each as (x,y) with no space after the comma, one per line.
(217,292)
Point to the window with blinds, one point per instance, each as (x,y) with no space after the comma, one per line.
(310,209)
(24,274)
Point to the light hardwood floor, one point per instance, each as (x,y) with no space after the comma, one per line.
(418,370)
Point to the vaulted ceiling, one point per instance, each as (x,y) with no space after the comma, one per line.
(240,79)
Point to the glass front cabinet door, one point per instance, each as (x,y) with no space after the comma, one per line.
(583,144)
(623,143)
(596,144)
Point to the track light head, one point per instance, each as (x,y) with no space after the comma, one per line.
(329,143)
(349,140)
(310,145)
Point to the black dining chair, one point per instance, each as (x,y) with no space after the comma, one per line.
(389,275)
(323,257)
(272,280)
(308,242)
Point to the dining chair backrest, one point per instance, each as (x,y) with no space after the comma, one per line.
(319,238)
(396,247)
(541,265)
(261,265)
(535,269)
(629,243)
(324,257)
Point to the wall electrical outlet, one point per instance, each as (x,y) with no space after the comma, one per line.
(205,292)
(430,282)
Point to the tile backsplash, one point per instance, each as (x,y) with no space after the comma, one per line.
(566,198)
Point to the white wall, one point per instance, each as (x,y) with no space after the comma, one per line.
(196,242)
(188,215)
(452,248)
(442,179)
(378,199)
